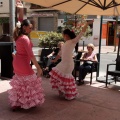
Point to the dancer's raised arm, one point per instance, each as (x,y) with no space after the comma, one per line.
(20,10)
(76,39)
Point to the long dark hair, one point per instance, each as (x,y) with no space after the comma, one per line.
(72,35)
(19,31)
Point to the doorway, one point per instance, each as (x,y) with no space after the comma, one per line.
(6,28)
(110,34)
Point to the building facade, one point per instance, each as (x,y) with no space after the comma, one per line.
(4,17)
(49,20)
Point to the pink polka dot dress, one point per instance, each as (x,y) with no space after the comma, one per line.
(26,91)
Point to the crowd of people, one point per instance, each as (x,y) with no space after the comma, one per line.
(26,91)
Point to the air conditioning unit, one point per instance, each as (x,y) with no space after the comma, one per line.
(4,6)
(1,4)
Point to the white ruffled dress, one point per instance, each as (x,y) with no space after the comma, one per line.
(61,76)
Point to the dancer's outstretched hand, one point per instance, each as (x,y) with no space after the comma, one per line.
(19,4)
(39,72)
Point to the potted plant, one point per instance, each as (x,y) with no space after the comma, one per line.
(50,39)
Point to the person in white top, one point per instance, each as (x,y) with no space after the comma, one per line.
(61,76)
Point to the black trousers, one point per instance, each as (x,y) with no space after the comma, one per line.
(83,70)
(47,61)
(50,64)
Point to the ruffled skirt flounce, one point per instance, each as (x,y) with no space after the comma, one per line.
(64,83)
(26,91)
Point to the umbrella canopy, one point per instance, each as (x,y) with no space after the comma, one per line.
(88,7)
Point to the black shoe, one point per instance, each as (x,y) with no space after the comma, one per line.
(47,76)
(45,72)
(80,83)
(16,108)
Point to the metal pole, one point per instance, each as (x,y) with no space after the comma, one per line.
(118,46)
(12,18)
(83,44)
(99,45)
(75,20)
(115,33)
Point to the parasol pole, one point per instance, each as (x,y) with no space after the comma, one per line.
(115,33)
(12,18)
(75,20)
(118,46)
(99,46)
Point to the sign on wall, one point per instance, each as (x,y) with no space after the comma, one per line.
(42,15)
(60,22)
(36,34)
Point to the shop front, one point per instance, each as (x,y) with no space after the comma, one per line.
(110,32)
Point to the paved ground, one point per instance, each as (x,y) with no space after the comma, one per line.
(95,102)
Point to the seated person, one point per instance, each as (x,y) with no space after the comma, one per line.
(87,58)
(53,58)
(58,57)
(55,61)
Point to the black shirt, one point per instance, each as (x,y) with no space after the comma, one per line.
(56,51)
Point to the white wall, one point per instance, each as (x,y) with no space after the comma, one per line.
(96,31)
(86,41)
(96,34)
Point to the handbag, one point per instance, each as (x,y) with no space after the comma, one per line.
(86,63)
